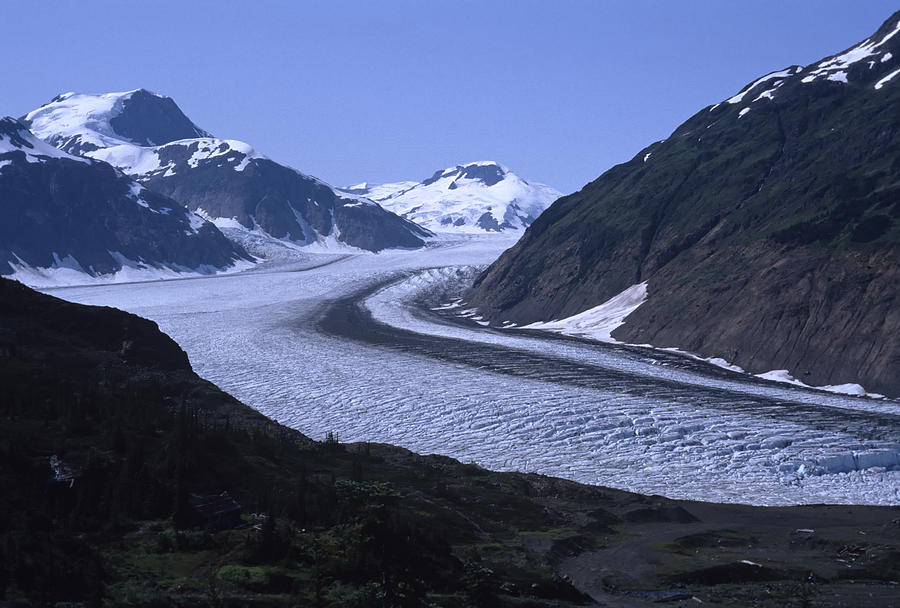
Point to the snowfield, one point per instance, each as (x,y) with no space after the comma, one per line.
(371,347)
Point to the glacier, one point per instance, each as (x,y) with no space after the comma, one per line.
(369,346)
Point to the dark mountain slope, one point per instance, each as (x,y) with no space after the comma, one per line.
(284,203)
(57,209)
(767,228)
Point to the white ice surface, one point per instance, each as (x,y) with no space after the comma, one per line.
(254,334)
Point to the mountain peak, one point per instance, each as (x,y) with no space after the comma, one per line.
(482,196)
(150,119)
(487,172)
(78,122)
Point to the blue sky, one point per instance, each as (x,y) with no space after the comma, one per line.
(559,91)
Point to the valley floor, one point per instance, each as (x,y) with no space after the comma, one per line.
(349,344)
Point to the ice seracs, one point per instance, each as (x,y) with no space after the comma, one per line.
(475,197)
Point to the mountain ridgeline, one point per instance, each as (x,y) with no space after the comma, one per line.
(149,138)
(767,228)
(64,210)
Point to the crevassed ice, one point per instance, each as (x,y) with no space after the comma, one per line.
(256,335)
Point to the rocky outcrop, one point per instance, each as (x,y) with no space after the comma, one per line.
(767,228)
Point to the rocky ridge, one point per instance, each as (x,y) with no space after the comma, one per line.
(228,182)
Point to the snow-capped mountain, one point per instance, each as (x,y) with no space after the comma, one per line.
(476,197)
(226,181)
(80,124)
(60,211)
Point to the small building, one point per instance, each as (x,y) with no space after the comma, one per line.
(215,512)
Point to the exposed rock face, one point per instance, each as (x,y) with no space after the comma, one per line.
(152,120)
(59,209)
(767,227)
(148,137)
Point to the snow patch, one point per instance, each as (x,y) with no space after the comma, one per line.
(131,159)
(210,147)
(886,79)
(599,322)
(783,375)
(740,96)
(196,222)
(219,222)
(835,69)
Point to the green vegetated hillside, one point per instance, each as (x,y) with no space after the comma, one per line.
(766,226)
(134,433)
